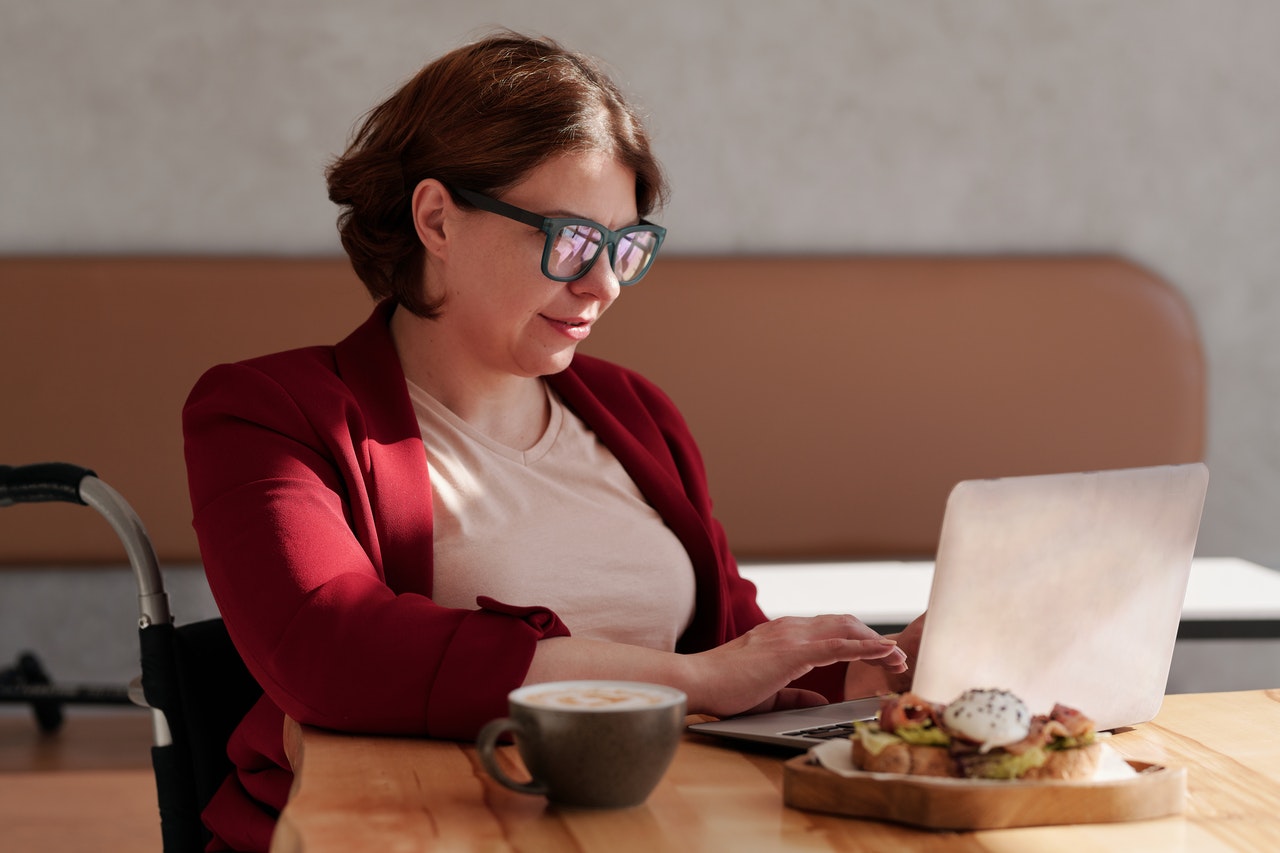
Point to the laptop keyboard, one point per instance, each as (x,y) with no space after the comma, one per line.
(828,732)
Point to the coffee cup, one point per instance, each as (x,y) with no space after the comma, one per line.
(589,744)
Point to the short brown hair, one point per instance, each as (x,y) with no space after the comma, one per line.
(480,117)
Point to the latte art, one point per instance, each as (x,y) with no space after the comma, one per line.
(596,698)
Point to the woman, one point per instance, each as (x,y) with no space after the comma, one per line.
(402,528)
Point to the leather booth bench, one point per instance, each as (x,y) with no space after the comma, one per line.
(836,399)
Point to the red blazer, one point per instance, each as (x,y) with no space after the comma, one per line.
(312,505)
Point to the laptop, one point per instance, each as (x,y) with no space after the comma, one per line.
(1059,587)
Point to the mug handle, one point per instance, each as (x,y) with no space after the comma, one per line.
(486,743)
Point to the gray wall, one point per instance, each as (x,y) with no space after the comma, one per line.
(1144,127)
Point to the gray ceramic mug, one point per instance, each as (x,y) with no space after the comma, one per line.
(589,744)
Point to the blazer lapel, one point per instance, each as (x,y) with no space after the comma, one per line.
(399,487)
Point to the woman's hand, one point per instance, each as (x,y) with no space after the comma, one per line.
(749,673)
(863,681)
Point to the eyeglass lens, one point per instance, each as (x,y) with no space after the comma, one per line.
(576,246)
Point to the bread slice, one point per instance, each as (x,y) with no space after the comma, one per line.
(1076,763)
(902,757)
(1079,762)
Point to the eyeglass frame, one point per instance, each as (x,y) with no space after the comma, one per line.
(551,226)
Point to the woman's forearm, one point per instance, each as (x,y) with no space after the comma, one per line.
(745,673)
(574,658)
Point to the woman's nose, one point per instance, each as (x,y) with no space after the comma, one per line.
(600,282)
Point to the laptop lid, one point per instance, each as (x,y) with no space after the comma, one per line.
(1060,587)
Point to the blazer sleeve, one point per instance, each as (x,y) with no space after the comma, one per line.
(279,487)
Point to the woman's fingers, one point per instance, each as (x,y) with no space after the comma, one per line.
(820,640)
(882,652)
(748,672)
(844,638)
(871,647)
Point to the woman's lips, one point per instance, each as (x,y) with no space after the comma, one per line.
(575,329)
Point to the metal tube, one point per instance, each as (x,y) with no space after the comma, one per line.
(153,602)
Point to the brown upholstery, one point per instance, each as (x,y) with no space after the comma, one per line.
(836,399)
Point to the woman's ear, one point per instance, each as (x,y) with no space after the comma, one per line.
(431,206)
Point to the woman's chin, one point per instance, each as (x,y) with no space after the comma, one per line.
(554,362)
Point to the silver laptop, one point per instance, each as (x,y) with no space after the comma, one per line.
(1061,587)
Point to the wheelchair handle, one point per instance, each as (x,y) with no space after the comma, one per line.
(62,481)
(44,481)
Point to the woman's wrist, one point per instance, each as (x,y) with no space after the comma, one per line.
(687,675)
(572,658)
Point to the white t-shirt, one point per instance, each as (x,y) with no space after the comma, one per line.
(560,525)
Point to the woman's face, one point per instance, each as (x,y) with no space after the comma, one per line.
(500,311)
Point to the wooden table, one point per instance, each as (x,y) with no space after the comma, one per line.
(367,793)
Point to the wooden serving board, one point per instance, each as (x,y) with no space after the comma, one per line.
(958,804)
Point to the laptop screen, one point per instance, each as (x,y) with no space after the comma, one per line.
(1063,588)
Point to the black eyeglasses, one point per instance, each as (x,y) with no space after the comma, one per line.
(574,244)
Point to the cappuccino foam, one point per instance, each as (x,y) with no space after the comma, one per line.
(602,698)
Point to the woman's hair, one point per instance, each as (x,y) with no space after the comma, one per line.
(481,117)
